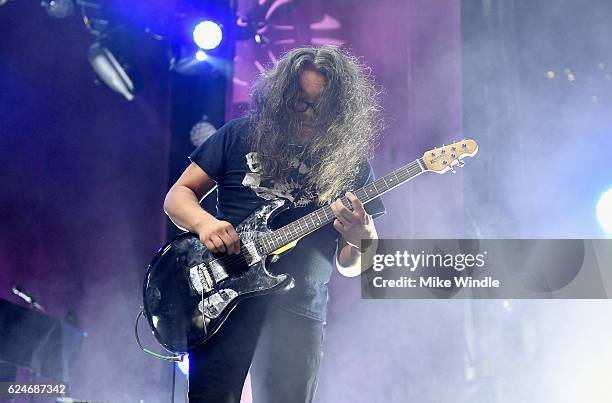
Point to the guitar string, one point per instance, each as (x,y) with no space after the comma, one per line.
(232,262)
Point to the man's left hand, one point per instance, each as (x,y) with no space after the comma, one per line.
(353,225)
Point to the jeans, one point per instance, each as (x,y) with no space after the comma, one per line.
(282,349)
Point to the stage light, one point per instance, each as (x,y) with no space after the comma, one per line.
(110,71)
(604,210)
(201,55)
(201,131)
(207,35)
(58,8)
(184,365)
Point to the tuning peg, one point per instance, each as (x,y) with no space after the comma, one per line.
(461,163)
(453,170)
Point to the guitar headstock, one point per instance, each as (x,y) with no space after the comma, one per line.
(444,158)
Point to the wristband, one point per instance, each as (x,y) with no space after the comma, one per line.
(369,241)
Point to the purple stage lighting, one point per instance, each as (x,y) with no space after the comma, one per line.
(207,35)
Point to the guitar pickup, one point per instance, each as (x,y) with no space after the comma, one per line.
(253,256)
(200,278)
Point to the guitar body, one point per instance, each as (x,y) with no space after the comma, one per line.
(189,292)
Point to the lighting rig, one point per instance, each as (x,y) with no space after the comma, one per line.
(200,35)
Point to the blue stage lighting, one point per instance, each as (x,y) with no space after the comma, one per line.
(604,210)
(201,55)
(207,35)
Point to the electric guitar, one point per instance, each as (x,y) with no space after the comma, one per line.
(189,292)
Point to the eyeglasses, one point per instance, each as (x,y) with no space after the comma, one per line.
(302,106)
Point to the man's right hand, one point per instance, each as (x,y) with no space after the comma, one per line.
(219,236)
(182,204)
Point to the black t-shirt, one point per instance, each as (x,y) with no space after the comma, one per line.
(227,159)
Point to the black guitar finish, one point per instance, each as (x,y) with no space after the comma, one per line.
(189,292)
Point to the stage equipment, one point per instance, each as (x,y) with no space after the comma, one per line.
(110,71)
(201,131)
(189,292)
(42,343)
(207,35)
(202,39)
(58,8)
(27,298)
(201,55)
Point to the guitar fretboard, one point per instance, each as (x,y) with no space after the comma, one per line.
(324,215)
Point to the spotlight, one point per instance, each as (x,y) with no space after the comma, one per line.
(201,55)
(110,71)
(604,210)
(207,35)
(201,131)
(58,8)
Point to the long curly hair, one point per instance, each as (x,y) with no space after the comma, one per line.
(346,126)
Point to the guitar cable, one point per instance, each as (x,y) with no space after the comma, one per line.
(174,358)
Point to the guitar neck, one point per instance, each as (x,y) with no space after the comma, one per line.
(324,215)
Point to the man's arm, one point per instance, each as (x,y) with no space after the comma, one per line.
(182,205)
(348,258)
(354,226)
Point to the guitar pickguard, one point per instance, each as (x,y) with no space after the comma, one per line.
(189,292)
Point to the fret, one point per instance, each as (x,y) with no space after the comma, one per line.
(267,244)
(325,212)
(318,219)
(321,219)
(312,219)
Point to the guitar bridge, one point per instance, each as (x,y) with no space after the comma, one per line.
(200,278)
(203,277)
